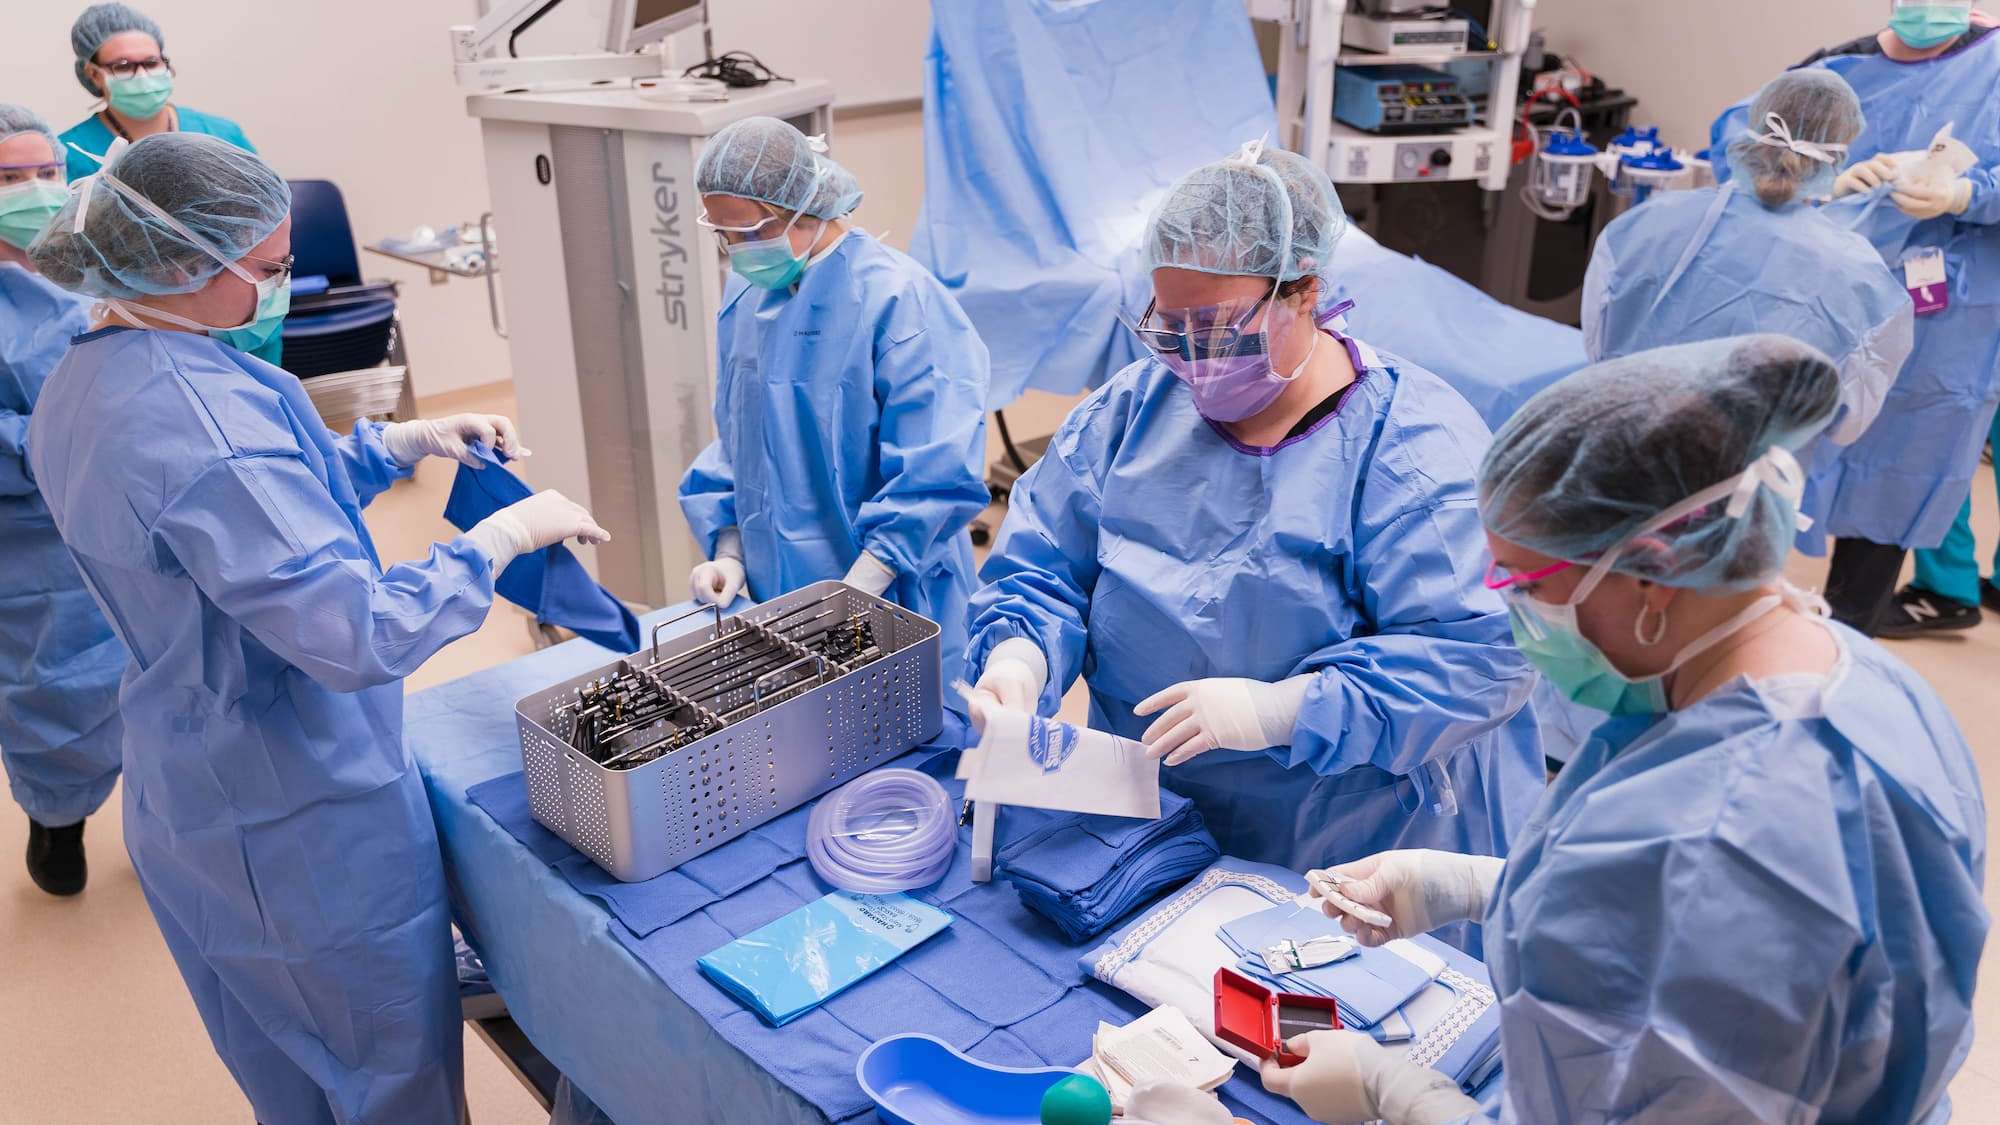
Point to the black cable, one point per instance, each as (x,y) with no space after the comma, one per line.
(1007,440)
(525,24)
(736,69)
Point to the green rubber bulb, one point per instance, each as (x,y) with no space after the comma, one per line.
(1076,1100)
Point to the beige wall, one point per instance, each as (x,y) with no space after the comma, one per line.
(1686,60)
(360,92)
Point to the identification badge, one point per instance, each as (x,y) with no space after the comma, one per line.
(1924,277)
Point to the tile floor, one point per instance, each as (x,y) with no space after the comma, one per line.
(95,1025)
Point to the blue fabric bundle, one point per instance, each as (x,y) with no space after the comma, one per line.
(550,583)
(1084,873)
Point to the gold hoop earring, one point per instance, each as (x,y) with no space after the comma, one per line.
(1639,627)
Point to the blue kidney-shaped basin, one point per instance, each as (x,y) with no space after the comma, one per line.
(920,1080)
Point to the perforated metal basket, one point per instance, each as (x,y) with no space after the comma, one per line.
(806,739)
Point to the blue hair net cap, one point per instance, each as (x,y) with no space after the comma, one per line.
(100,22)
(16,120)
(224,196)
(1816,107)
(1595,458)
(1264,212)
(766,159)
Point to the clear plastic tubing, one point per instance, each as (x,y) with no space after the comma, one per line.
(890,830)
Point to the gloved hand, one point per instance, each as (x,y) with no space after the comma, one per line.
(452,436)
(1222,714)
(544,519)
(1348,1078)
(1929,201)
(1865,176)
(870,574)
(1418,888)
(1013,678)
(720,581)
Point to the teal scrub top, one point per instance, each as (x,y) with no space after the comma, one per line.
(93,136)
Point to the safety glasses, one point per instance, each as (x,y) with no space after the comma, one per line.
(726,236)
(1204,331)
(281,269)
(1499,578)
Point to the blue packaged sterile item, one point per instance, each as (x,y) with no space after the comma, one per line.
(785,969)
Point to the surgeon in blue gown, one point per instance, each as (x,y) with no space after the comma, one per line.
(850,402)
(59,663)
(1260,548)
(1755,255)
(277,823)
(1904,483)
(1756,895)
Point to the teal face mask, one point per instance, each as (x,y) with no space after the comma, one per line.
(1927,25)
(140,96)
(26,208)
(274,300)
(768,263)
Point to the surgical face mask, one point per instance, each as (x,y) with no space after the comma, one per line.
(26,208)
(1551,638)
(768,263)
(140,96)
(1927,25)
(274,301)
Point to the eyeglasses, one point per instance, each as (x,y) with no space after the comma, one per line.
(723,235)
(1211,335)
(127,68)
(11,174)
(282,269)
(1499,578)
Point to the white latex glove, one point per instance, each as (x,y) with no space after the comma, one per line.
(542,520)
(452,436)
(1866,176)
(720,581)
(1013,678)
(1349,1078)
(1222,714)
(1922,201)
(1170,1103)
(870,574)
(1418,888)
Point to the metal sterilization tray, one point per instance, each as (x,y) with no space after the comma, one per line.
(652,760)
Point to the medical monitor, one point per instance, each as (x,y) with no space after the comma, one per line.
(645,22)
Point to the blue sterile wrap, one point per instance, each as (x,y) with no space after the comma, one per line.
(1084,873)
(550,583)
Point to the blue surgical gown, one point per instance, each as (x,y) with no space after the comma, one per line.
(59,663)
(850,416)
(277,823)
(1702,265)
(1907,477)
(1051,130)
(1146,548)
(1764,907)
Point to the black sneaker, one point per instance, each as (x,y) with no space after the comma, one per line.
(55,858)
(1916,612)
(1989,594)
